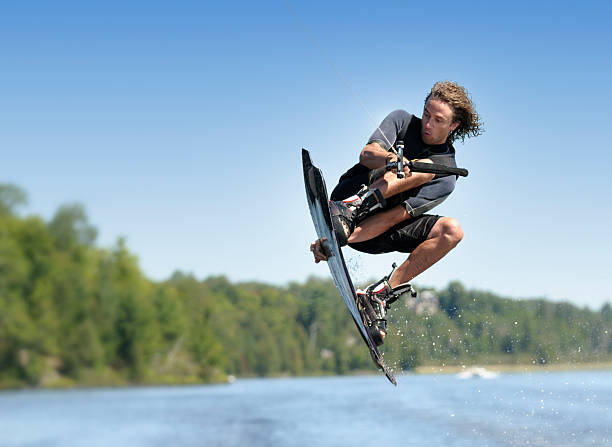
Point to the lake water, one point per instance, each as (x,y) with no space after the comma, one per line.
(543,409)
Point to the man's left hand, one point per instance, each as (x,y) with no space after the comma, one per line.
(318,250)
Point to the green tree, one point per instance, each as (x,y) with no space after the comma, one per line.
(71,227)
(11,198)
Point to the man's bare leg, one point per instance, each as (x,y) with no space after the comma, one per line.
(443,237)
(378,223)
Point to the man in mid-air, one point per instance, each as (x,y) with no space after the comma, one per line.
(374,211)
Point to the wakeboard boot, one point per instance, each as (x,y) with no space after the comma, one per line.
(375,300)
(345,214)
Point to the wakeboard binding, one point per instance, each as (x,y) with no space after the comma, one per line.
(374,302)
(345,214)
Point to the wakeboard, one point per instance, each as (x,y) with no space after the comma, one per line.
(318,202)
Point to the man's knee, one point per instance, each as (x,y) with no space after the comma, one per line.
(449,229)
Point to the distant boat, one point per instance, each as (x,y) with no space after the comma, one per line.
(477,372)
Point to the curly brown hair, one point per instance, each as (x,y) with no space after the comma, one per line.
(464,112)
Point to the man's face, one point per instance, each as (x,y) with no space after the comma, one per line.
(437,122)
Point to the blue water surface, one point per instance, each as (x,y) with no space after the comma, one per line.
(539,409)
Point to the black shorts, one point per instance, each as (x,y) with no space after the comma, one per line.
(403,237)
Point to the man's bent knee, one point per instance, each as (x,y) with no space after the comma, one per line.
(449,229)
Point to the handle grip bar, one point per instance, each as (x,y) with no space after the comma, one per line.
(435,168)
(417,166)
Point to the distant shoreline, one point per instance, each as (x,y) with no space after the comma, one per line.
(425,369)
(516,368)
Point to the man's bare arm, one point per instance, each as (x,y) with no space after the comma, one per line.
(389,184)
(374,156)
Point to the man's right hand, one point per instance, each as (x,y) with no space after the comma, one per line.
(318,250)
(392,158)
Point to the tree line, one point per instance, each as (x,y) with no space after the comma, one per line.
(72,313)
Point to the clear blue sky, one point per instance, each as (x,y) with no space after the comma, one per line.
(179,126)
